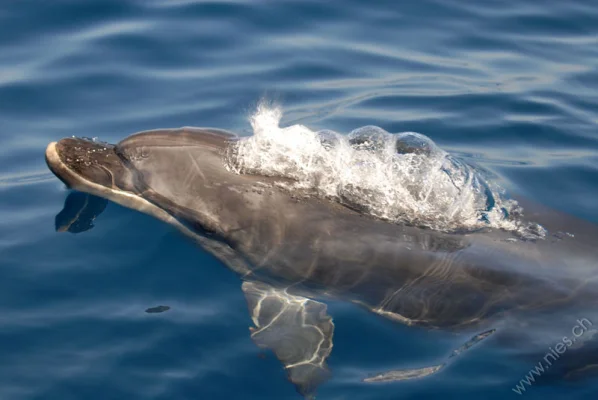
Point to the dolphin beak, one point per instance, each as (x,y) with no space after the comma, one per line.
(55,164)
(82,163)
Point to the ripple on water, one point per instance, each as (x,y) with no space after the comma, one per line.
(509,85)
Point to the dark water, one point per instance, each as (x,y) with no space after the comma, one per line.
(510,84)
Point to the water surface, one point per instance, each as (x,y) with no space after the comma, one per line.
(510,85)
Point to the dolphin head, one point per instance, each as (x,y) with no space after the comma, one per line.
(84,164)
(177,175)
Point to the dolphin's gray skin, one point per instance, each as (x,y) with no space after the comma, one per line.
(292,250)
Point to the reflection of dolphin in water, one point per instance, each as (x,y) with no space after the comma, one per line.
(291,250)
(80,210)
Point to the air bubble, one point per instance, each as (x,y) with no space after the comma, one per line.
(404,177)
(415,143)
(369,138)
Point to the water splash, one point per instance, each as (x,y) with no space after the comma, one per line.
(403,178)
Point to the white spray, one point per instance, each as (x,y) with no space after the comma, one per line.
(403,178)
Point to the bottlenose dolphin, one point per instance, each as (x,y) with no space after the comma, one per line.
(293,251)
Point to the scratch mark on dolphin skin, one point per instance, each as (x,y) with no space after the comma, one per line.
(199,171)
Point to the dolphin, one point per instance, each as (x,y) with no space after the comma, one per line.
(293,251)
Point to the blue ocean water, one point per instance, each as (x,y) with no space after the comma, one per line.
(511,85)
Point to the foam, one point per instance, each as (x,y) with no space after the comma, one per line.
(404,178)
